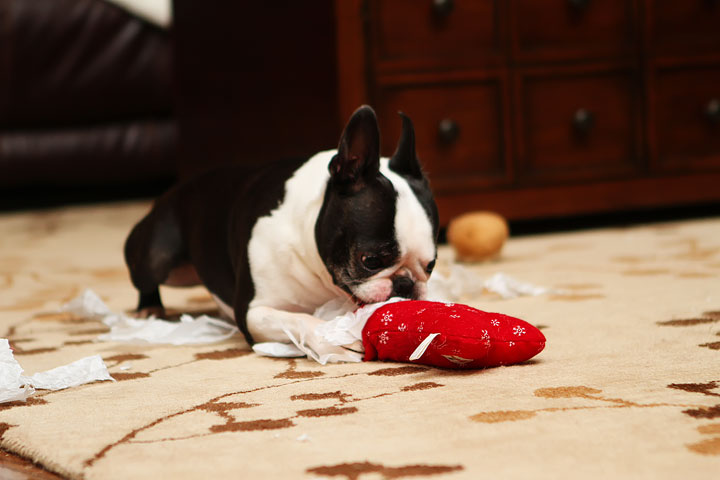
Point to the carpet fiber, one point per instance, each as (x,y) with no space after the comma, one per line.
(628,385)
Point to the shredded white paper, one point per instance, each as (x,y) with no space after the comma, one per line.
(188,331)
(88,304)
(277,349)
(342,328)
(14,386)
(85,370)
(310,343)
(463,282)
(508,287)
(460,282)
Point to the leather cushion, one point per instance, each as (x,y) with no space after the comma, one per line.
(66,62)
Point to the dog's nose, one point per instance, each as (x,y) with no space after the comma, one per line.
(403,287)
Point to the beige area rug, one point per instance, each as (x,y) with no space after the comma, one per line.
(627,387)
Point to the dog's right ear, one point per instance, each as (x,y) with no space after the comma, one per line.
(405,161)
(358,156)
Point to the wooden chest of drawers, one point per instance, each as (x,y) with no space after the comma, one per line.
(544,107)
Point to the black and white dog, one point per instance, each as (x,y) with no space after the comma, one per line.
(273,244)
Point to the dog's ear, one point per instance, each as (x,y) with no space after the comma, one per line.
(405,161)
(358,156)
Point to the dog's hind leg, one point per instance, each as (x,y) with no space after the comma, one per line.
(153,250)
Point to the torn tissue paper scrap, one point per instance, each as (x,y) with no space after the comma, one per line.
(14,386)
(187,331)
(342,327)
(463,282)
(85,370)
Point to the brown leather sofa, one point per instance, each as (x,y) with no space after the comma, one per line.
(86,99)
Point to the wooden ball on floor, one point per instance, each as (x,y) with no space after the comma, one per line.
(477,236)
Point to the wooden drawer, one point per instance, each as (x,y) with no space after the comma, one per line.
(578,126)
(685,26)
(573,29)
(459,131)
(421,34)
(686,116)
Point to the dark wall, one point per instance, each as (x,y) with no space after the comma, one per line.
(256,81)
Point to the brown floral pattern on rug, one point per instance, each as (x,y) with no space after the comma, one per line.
(353,471)
(703,388)
(223,354)
(577,292)
(343,404)
(709,446)
(705,447)
(578,391)
(693,251)
(27,403)
(292,372)
(4,428)
(706,318)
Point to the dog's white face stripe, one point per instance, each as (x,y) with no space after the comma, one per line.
(415,240)
(413,229)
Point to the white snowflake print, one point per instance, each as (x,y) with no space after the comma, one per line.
(422,310)
(495,322)
(448,304)
(383,338)
(421,327)
(518,330)
(386,318)
(485,335)
(511,344)
(402,327)
(454,315)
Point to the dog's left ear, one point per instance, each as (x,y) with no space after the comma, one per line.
(405,161)
(358,155)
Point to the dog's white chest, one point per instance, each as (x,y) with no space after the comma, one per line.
(285,265)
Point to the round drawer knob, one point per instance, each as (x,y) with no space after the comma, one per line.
(448,130)
(583,121)
(712,110)
(443,8)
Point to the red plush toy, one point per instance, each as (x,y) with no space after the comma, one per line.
(448,335)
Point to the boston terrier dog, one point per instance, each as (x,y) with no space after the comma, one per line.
(274,243)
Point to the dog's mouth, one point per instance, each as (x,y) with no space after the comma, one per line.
(366,296)
(357,300)
(378,289)
(360,303)
(354,297)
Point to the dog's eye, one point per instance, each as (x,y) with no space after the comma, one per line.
(371,262)
(430,267)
